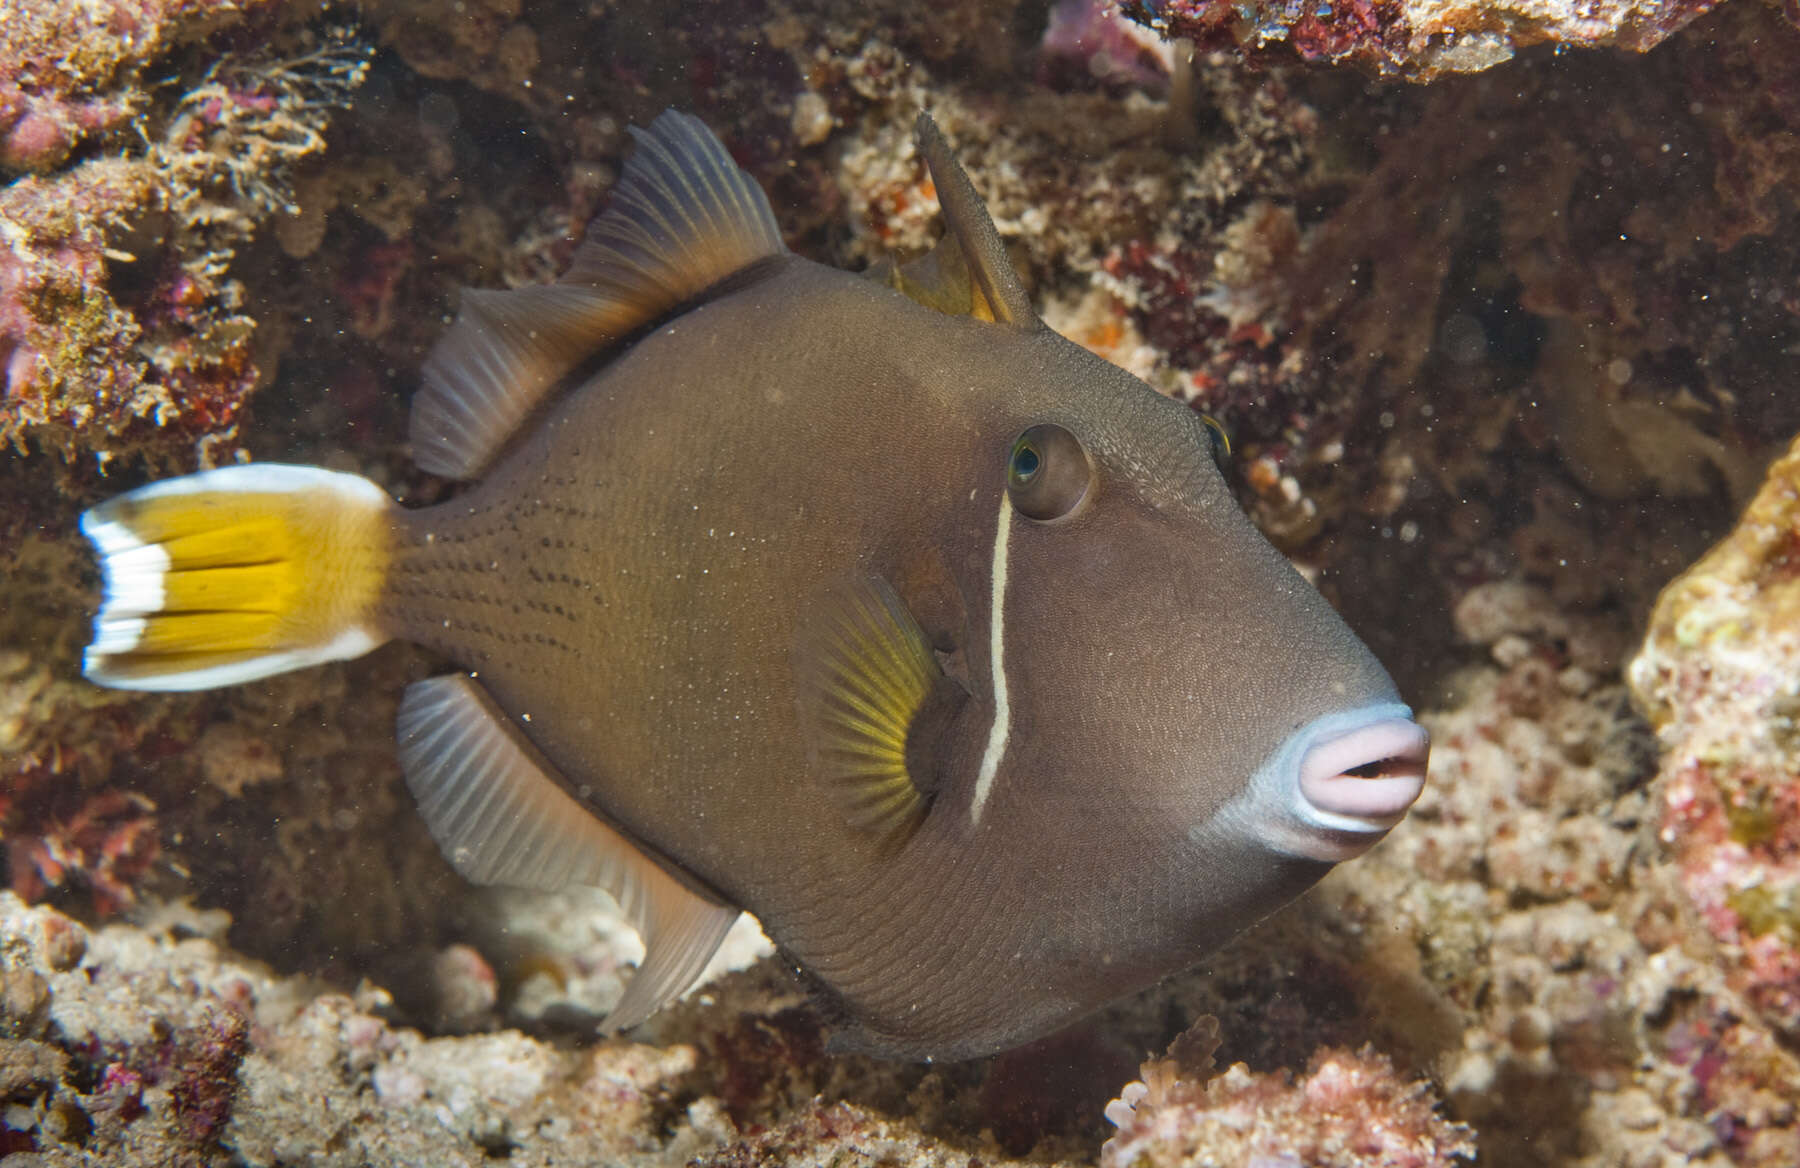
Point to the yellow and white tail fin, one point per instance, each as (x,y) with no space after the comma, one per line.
(234,574)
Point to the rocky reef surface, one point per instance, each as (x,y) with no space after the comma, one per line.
(1418,39)
(1501,356)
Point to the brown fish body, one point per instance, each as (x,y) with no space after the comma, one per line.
(925,635)
(652,555)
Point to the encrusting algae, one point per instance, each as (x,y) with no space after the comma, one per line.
(111,352)
(1719,679)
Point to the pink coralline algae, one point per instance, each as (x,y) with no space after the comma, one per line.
(1346,1110)
(107,846)
(121,350)
(204,1068)
(67,348)
(1719,677)
(69,69)
(1418,39)
(1090,42)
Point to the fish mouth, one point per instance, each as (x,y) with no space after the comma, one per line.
(1340,783)
(1372,773)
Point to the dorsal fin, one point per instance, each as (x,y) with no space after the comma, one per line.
(940,279)
(500,818)
(682,218)
(969,266)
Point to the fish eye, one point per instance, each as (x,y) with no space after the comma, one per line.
(1221,441)
(1048,473)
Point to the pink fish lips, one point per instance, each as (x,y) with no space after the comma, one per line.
(1372,774)
(1341,783)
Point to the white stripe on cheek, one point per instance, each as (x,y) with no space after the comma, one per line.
(996,744)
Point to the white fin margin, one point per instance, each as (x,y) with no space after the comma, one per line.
(498,815)
(134,573)
(98,664)
(682,218)
(131,573)
(132,569)
(253,478)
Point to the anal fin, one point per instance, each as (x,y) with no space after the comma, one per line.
(500,817)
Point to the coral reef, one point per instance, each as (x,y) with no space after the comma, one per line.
(1531,930)
(70,348)
(1500,355)
(843,1135)
(1420,40)
(67,831)
(74,71)
(120,330)
(1346,1110)
(1719,678)
(153,1045)
(1375,359)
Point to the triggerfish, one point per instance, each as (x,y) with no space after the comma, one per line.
(870,606)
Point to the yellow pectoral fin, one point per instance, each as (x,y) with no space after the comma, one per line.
(866,674)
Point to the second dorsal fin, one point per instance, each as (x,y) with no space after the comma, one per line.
(682,218)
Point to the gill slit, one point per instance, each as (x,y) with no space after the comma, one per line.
(997,733)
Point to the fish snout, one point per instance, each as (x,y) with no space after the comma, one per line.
(1371,773)
(1341,783)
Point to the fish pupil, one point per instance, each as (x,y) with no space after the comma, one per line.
(1025,462)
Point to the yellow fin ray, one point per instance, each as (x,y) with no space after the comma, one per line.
(198,632)
(242,541)
(234,574)
(247,588)
(865,672)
